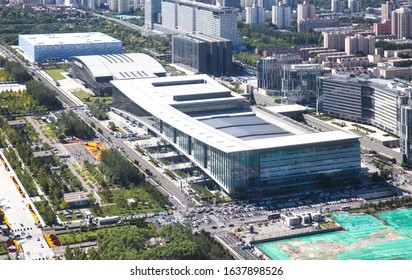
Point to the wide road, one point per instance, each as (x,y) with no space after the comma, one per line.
(39,77)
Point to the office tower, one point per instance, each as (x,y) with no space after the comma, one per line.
(306,11)
(281,15)
(337,6)
(152,9)
(401,23)
(385,104)
(299,82)
(360,44)
(192,17)
(202,54)
(269,70)
(255,15)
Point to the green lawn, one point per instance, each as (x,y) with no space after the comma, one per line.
(77,237)
(361,133)
(83,95)
(118,205)
(203,192)
(56,73)
(3,249)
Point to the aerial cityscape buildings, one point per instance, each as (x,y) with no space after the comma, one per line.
(242,127)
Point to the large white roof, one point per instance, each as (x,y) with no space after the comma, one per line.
(69,38)
(122,66)
(155,95)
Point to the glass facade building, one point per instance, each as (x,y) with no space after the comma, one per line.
(381,103)
(243,153)
(42,47)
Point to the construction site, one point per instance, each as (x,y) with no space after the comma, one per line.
(384,236)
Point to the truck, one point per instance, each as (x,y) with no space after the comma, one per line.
(109,220)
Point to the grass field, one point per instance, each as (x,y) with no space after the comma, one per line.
(83,95)
(203,192)
(77,237)
(56,74)
(118,202)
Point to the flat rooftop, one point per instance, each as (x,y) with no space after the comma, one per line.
(69,38)
(247,127)
(228,132)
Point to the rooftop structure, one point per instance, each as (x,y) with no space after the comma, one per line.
(97,70)
(246,152)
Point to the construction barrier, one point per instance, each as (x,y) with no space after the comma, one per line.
(52,240)
(36,219)
(4,163)
(18,186)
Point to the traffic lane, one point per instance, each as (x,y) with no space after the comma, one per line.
(165,182)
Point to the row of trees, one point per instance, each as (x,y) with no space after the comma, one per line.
(118,170)
(53,184)
(270,35)
(172,242)
(71,125)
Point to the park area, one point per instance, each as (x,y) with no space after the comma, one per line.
(90,99)
(385,236)
(117,204)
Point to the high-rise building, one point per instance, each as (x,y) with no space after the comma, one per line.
(281,15)
(299,82)
(193,17)
(269,70)
(123,7)
(360,44)
(386,10)
(255,15)
(113,5)
(354,6)
(337,6)
(335,40)
(401,23)
(306,11)
(152,10)
(202,54)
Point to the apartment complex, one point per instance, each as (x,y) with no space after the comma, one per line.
(281,15)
